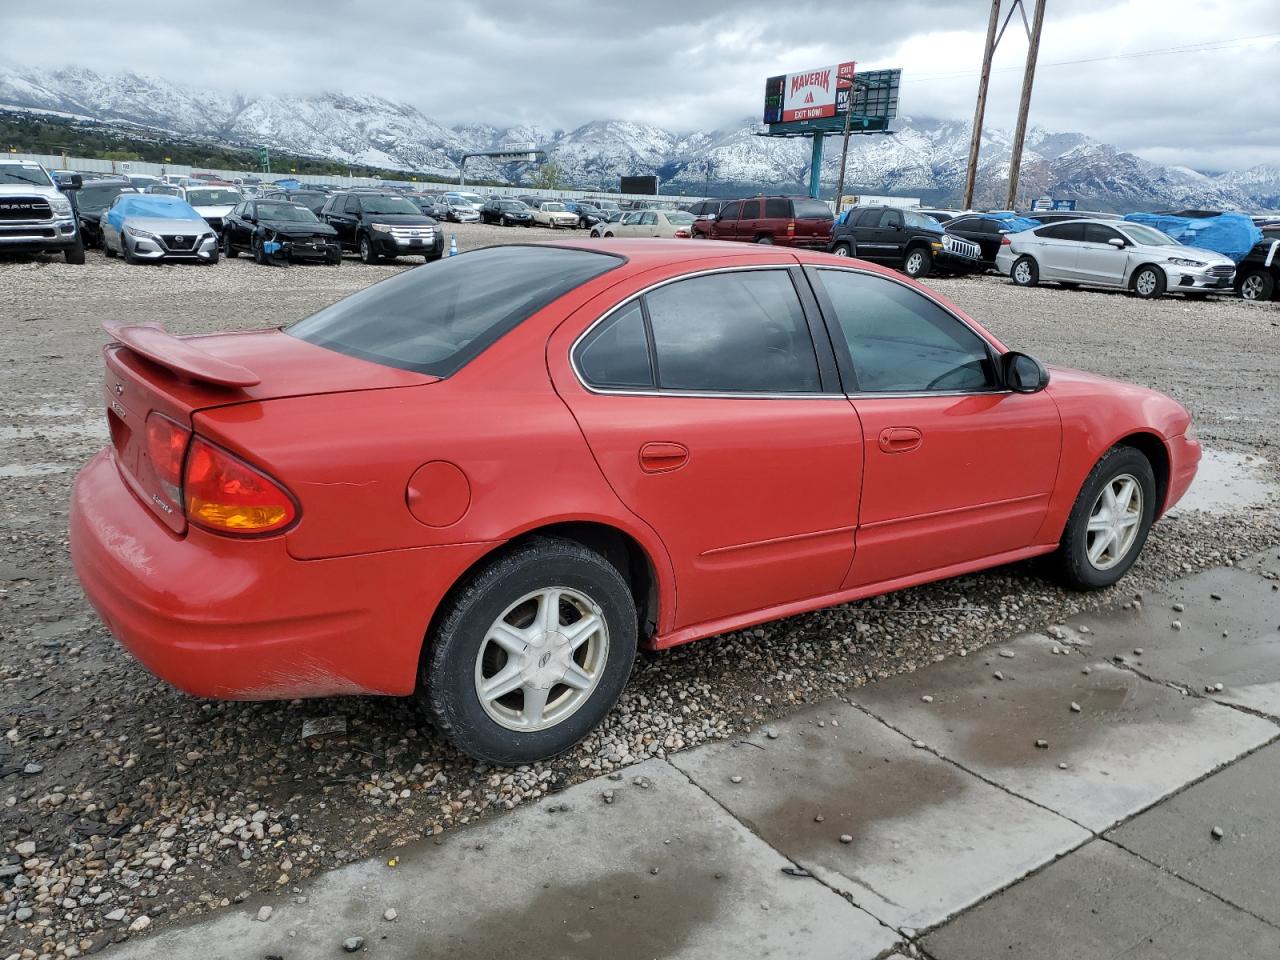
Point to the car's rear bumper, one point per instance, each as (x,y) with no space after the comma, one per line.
(241,619)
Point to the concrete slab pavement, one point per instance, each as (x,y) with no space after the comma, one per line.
(928,839)
(1243,867)
(1228,632)
(1104,902)
(1131,743)
(661,871)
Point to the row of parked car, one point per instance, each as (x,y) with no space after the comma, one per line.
(1068,248)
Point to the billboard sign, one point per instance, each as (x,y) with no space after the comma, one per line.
(808,95)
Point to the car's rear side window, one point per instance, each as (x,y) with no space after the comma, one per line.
(735,332)
(616,353)
(1062,231)
(777,208)
(436,318)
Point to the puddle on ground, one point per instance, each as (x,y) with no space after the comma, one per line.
(1227,482)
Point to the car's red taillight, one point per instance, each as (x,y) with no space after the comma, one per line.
(682,233)
(225,494)
(1006,242)
(791,229)
(166,448)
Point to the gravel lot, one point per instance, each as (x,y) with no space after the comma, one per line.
(124,803)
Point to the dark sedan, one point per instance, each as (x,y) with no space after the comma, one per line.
(254,225)
(507,212)
(91,201)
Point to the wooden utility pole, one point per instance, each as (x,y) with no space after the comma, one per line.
(844,152)
(975,141)
(1024,106)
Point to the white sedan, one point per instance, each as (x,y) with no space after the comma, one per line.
(554,215)
(648,223)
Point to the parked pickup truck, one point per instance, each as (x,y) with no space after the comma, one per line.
(34,215)
(906,239)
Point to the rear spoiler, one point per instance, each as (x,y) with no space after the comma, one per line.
(152,341)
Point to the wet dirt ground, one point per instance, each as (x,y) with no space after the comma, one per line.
(138,799)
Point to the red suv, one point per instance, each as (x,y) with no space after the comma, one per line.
(791,221)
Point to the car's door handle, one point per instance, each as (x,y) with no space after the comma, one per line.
(900,439)
(663,457)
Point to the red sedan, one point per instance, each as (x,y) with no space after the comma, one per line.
(485,481)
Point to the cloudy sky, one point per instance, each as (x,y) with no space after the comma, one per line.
(1175,81)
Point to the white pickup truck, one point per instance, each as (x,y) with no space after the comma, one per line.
(35,217)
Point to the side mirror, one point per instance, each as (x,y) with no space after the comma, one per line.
(74,182)
(1117,243)
(1023,373)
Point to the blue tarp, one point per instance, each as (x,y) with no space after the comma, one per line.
(155,205)
(1230,234)
(1013,223)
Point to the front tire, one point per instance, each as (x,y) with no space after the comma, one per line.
(106,247)
(75,254)
(1259,285)
(917,264)
(1149,283)
(367,253)
(531,653)
(1109,523)
(228,249)
(842,250)
(1025,272)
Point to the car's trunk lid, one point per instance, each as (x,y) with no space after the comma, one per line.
(149,371)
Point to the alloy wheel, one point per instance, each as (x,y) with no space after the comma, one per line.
(542,659)
(1146,283)
(914,262)
(1114,522)
(1251,289)
(1022,272)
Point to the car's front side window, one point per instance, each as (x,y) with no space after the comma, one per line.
(901,341)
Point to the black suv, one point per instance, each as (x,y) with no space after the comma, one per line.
(906,239)
(378,225)
(1258,274)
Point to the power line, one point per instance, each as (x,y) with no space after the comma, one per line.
(1203,47)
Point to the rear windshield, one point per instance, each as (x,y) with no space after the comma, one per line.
(438,317)
(812,210)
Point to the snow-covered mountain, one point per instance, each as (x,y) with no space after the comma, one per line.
(925,157)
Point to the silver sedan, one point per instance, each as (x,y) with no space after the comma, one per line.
(148,228)
(1114,253)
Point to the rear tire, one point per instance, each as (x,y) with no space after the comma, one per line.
(1259,285)
(917,263)
(512,593)
(764,239)
(1148,283)
(1025,272)
(75,254)
(1075,568)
